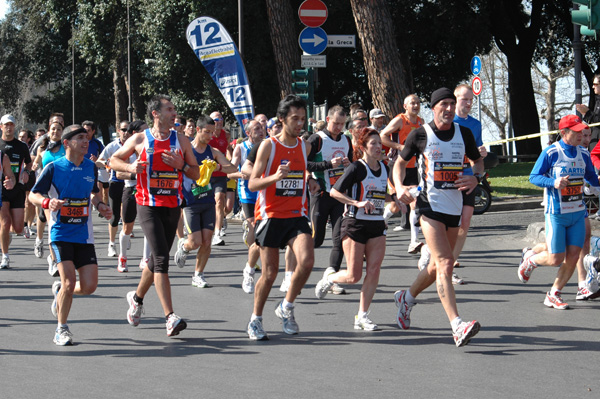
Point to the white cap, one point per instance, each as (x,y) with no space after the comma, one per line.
(376,113)
(8,118)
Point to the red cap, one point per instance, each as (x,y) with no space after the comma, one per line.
(572,122)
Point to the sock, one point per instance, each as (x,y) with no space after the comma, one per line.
(361,314)
(111,243)
(254,317)
(387,214)
(455,323)
(124,240)
(167,316)
(554,291)
(146,249)
(409,298)
(414,229)
(286,304)
(288,276)
(39,241)
(138,300)
(581,284)
(62,326)
(198,274)
(249,270)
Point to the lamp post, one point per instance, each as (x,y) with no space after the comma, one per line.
(129,108)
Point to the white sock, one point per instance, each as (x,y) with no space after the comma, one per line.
(455,323)
(414,229)
(254,317)
(248,269)
(124,240)
(362,315)
(554,291)
(111,243)
(387,214)
(146,249)
(198,274)
(287,304)
(288,276)
(409,298)
(39,241)
(582,284)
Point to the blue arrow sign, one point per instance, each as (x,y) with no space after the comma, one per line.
(313,41)
(475,65)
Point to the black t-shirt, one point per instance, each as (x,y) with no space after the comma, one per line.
(417,140)
(18,154)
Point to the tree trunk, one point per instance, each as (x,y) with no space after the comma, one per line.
(120,91)
(516,37)
(285,42)
(387,79)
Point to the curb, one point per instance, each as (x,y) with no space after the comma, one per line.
(515,204)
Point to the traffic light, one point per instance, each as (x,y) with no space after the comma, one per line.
(303,85)
(588,16)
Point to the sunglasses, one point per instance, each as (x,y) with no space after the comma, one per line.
(217,119)
(123,129)
(360,119)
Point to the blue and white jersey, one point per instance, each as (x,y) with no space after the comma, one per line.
(74,184)
(245,195)
(193,193)
(108,152)
(559,160)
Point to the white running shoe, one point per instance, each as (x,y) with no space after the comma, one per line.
(122,266)
(287,317)
(217,240)
(457,280)
(322,287)
(111,250)
(399,228)
(52,266)
(364,323)
(199,281)
(26,232)
(404,309)
(181,254)
(336,289)
(55,289)
(248,282)
(526,266)
(135,311)
(465,331)
(414,247)
(255,330)
(5,264)
(175,325)
(63,336)
(38,248)
(144,263)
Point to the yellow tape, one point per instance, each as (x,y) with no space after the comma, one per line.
(531,136)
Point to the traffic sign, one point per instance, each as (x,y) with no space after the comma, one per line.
(312,13)
(313,41)
(476,85)
(475,65)
(314,61)
(341,41)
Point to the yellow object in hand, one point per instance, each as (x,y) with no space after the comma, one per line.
(206,169)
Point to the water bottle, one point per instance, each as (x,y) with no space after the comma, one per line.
(415,191)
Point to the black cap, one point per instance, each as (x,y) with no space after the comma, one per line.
(441,94)
(71,131)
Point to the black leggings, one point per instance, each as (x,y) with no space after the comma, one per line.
(159,225)
(115,198)
(322,207)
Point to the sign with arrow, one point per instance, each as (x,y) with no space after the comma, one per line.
(313,41)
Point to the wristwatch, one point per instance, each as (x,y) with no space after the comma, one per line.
(185,167)
(479,177)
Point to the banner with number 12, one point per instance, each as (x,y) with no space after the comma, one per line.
(215,49)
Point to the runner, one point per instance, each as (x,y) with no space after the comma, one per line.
(363,190)
(440,147)
(561,169)
(67,188)
(199,210)
(163,156)
(280,174)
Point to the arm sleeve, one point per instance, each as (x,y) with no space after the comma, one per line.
(353,174)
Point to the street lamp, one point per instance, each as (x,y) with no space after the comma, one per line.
(129,108)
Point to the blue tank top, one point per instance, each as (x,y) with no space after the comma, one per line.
(49,156)
(193,193)
(246,196)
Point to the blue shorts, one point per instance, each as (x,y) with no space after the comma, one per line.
(564,230)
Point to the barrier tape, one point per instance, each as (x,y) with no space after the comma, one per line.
(530,136)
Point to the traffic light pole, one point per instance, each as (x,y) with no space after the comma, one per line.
(577,46)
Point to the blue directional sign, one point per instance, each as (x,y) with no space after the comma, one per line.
(475,65)
(313,41)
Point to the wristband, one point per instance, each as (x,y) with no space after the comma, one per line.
(100,202)
(46,203)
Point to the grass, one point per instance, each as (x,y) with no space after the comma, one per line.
(512,180)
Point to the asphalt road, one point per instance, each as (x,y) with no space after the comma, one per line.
(522,350)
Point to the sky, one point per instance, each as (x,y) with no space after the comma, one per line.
(3,8)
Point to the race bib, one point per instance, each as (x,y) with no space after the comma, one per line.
(573,191)
(445,174)
(164,183)
(74,211)
(292,185)
(200,192)
(333,175)
(377,198)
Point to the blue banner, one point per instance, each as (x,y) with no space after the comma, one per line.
(215,49)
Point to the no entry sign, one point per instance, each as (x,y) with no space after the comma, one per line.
(312,13)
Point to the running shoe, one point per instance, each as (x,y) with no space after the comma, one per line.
(122,266)
(5,264)
(63,336)
(526,266)
(399,228)
(55,289)
(404,309)
(111,250)
(337,289)
(175,325)
(255,330)
(217,240)
(590,264)
(222,232)
(457,280)
(414,247)
(285,285)
(144,263)
(52,266)
(287,317)
(26,232)
(425,257)
(465,331)
(584,294)
(199,281)
(248,282)
(323,286)
(135,311)
(181,254)
(364,323)
(555,301)
(245,232)
(38,249)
